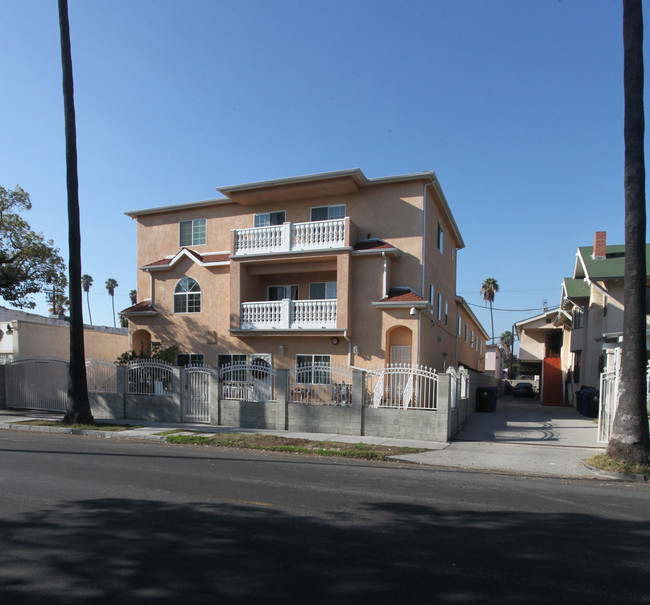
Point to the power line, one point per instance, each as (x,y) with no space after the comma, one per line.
(514,310)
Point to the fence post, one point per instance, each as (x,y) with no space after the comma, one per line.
(443,413)
(282,409)
(177,391)
(121,386)
(356,403)
(213,396)
(3,387)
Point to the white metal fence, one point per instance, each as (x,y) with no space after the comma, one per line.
(196,394)
(459,386)
(248,381)
(402,386)
(320,383)
(37,384)
(149,377)
(101,376)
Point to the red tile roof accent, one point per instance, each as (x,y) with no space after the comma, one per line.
(372,244)
(208,258)
(402,295)
(215,258)
(159,263)
(141,307)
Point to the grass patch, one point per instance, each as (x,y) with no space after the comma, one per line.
(98,426)
(602,462)
(276,443)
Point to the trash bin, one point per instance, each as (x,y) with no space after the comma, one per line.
(589,402)
(486,399)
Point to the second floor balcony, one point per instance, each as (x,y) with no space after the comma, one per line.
(289,315)
(292,237)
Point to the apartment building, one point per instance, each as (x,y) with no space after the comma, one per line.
(471,337)
(334,268)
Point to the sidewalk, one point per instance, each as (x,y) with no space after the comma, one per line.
(521,437)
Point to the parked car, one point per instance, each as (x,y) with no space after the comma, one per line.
(523,389)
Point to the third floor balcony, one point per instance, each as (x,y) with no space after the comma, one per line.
(292,237)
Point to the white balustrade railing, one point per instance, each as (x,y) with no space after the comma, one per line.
(288,314)
(290,237)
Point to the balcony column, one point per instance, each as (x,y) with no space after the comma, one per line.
(286,237)
(286,314)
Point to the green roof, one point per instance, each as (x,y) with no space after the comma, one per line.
(576,288)
(613,266)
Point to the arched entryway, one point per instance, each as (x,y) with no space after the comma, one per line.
(141,341)
(399,345)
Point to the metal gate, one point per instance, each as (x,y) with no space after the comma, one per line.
(37,384)
(196,394)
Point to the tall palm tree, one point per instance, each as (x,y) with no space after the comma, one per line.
(86,282)
(629,441)
(111,284)
(78,406)
(133,296)
(489,288)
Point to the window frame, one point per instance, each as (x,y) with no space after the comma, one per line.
(325,284)
(441,237)
(191,361)
(192,233)
(285,286)
(329,209)
(324,377)
(186,296)
(270,214)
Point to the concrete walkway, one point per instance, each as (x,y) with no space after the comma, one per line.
(521,437)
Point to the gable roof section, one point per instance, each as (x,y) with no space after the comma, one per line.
(575,288)
(400,297)
(611,267)
(142,308)
(213,259)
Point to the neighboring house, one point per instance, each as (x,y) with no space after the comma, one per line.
(594,299)
(542,352)
(26,335)
(471,338)
(494,361)
(333,268)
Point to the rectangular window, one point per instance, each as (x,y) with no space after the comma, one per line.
(578,318)
(471,342)
(460,332)
(446,313)
(465,332)
(322,290)
(439,306)
(440,237)
(229,360)
(268,219)
(431,295)
(282,292)
(192,233)
(190,359)
(313,369)
(327,213)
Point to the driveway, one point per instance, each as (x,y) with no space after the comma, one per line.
(528,422)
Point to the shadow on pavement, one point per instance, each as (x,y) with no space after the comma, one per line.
(122,551)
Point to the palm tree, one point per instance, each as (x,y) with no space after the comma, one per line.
(111,284)
(133,295)
(505,341)
(78,406)
(629,441)
(86,282)
(489,288)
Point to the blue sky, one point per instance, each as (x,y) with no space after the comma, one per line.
(517,105)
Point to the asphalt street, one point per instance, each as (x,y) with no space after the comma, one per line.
(85,519)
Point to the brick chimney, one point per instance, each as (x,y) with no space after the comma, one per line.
(600,245)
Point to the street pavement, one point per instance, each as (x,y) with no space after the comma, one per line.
(520,437)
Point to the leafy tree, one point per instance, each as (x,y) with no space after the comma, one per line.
(27,261)
(505,342)
(111,284)
(629,441)
(78,408)
(86,282)
(156,351)
(489,288)
(133,296)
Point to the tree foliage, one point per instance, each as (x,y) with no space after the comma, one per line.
(156,351)
(28,262)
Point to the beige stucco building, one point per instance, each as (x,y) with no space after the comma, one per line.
(332,267)
(471,338)
(26,335)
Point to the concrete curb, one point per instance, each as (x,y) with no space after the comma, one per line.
(614,476)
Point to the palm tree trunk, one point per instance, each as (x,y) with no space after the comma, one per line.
(113,303)
(492,322)
(78,408)
(90,317)
(629,441)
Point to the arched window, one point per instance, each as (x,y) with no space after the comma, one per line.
(187,296)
